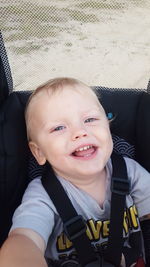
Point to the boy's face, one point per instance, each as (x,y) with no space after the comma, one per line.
(71,131)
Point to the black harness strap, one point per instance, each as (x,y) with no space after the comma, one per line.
(120,188)
(74,225)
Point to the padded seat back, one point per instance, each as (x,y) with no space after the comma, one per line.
(131,110)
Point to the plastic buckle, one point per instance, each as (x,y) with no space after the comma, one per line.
(75,227)
(120,186)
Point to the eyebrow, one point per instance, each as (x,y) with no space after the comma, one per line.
(98,109)
(54,122)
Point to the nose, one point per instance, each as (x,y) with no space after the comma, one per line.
(80,133)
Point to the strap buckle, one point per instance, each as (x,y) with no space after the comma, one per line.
(74,227)
(120,186)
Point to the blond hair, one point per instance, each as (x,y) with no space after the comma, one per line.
(51,86)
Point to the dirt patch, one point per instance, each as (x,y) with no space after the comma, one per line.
(101,43)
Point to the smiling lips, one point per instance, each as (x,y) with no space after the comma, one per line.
(85,152)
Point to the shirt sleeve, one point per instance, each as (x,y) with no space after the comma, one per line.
(140,186)
(36,211)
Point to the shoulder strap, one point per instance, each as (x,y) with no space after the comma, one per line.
(74,225)
(120,187)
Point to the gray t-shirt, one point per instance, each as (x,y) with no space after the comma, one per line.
(38,213)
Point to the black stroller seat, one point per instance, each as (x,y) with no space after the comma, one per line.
(130,129)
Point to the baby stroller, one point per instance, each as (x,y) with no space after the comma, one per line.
(130,129)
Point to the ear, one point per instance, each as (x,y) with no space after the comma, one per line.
(37,153)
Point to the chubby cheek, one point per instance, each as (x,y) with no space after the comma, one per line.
(105,140)
(108,139)
(55,151)
(103,133)
(52,152)
(109,149)
(110,145)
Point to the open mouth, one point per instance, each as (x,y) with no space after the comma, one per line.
(86,151)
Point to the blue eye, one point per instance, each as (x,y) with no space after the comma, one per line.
(59,128)
(90,119)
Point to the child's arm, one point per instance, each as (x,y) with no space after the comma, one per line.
(23,248)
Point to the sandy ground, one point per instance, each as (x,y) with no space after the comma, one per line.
(112,51)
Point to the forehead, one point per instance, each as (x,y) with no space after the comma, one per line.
(79,97)
(68,92)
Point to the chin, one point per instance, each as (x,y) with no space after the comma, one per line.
(91,172)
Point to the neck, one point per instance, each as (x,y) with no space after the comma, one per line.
(95,186)
(90,181)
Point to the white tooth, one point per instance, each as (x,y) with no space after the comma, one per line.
(84,148)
